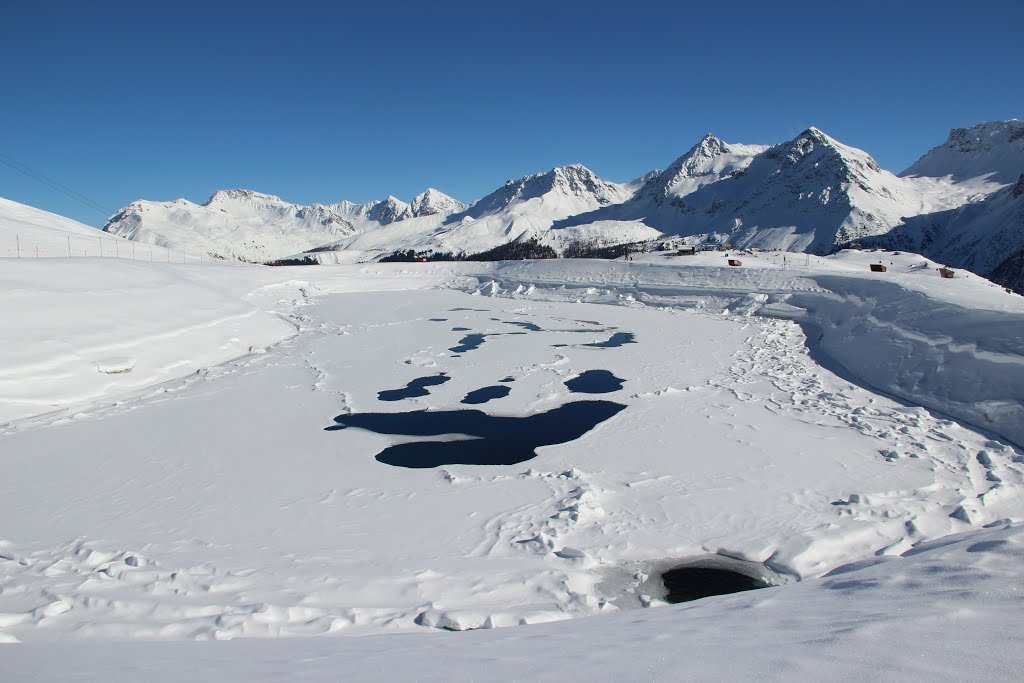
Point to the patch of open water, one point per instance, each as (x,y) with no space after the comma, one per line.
(485,439)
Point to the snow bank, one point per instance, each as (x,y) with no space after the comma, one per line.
(967,363)
(78,330)
(946,611)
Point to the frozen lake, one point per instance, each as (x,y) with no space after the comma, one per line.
(414,459)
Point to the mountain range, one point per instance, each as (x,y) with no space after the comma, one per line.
(960,203)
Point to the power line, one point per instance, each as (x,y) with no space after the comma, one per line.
(32,173)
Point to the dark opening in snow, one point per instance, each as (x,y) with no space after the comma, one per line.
(615,341)
(702,580)
(470,342)
(594,382)
(486,394)
(476,438)
(532,327)
(417,387)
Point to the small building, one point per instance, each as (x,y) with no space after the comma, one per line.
(946,272)
(686,251)
(878,268)
(735,262)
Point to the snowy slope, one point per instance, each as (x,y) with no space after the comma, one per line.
(38,231)
(985,237)
(78,330)
(993,150)
(32,222)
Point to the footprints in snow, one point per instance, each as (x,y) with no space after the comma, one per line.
(972,474)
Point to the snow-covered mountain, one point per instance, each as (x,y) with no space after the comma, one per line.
(522,209)
(985,237)
(810,193)
(432,202)
(993,149)
(256,227)
(807,194)
(709,161)
(233,224)
(984,234)
(657,201)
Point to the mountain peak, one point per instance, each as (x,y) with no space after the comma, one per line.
(239,195)
(814,144)
(708,161)
(432,202)
(817,134)
(993,149)
(386,211)
(563,186)
(573,170)
(710,145)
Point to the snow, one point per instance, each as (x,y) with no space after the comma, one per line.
(29,232)
(808,194)
(947,612)
(431,202)
(97,330)
(812,193)
(984,236)
(168,474)
(991,150)
(15,217)
(232,224)
(254,226)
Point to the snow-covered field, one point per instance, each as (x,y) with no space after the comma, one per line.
(174,469)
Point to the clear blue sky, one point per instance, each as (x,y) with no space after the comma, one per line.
(323,101)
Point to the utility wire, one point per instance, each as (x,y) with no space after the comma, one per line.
(32,173)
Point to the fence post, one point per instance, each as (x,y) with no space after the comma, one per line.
(69,246)
(17,240)
(101,246)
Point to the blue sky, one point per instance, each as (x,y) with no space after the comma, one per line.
(323,101)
